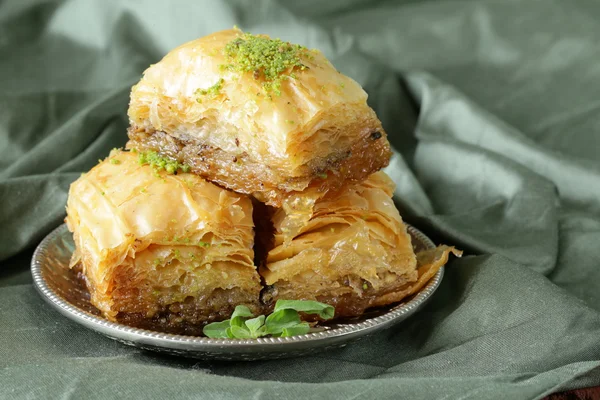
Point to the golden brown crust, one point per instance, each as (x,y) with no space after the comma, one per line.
(268,184)
(188,317)
(347,296)
(350,249)
(150,243)
(319,124)
(354,302)
(429,262)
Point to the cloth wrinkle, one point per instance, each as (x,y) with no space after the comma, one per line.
(491,107)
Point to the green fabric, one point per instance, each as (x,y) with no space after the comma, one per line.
(493,106)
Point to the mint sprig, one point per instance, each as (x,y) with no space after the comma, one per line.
(282,322)
(325,311)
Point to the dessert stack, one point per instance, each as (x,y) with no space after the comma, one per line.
(252,174)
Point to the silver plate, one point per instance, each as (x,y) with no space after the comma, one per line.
(61,288)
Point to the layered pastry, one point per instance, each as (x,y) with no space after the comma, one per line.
(258,116)
(244,151)
(351,251)
(160,247)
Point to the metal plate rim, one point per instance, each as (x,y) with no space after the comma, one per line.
(229,347)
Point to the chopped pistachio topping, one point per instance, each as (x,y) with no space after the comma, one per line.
(212,91)
(160,163)
(115,161)
(273,60)
(203,244)
(365,286)
(322,175)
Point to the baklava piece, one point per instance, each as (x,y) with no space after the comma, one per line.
(161,248)
(257,115)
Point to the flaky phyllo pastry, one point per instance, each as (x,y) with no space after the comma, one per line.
(350,250)
(172,249)
(251,177)
(258,116)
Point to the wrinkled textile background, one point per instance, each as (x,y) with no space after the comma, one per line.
(494,107)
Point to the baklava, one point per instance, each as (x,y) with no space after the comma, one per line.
(351,251)
(257,115)
(159,247)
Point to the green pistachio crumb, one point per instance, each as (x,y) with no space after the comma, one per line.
(211,91)
(203,244)
(322,175)
(271,60)
(161,163)
(115,161)
(365,286)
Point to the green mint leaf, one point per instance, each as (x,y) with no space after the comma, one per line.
(323,310)
(217,330)
(283,322)
(255,324)
(262,331)
(300,329)
(279,320)
(240,314)
(239,332)
(241,311)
